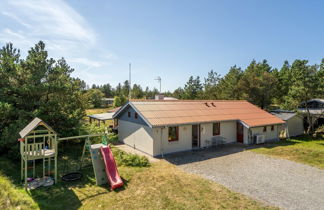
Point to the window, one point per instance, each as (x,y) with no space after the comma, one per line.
(173,134)
(136,115)
(272,127)
(265,129)
(216,129)
(129,114)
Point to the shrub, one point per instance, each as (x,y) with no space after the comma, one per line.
(127,159)
(319,131)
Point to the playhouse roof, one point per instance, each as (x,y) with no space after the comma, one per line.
(32,125)
(162,113)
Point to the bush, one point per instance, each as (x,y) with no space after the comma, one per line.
(126,159)
(319,131)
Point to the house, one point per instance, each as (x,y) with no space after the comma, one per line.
(103,117)
(159,127)
(107,102)
(294,123)
(162,97)
(316,110)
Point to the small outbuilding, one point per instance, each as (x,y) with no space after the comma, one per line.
(294,123)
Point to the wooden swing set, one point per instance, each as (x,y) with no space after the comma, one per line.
(39,141)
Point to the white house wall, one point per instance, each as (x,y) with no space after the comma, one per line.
(295,126)
(269,134)
(227,132)
(136,135)
(162,145)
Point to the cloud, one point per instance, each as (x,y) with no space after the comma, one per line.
(87,62)
(65,32)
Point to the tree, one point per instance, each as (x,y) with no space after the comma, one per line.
(179,93)
(93,97)
(137,91)
(118,91)
(258,84)
(193,88)
(228,86)
(119,101)
(305,84)
(211,85)
(284,81)
(125,89)
(37,86)
(107,90)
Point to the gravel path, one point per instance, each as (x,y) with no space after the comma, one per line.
(277,182)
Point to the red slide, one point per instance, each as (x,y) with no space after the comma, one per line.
(111,168)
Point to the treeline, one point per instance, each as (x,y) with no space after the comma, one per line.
(260,84)
(120,93)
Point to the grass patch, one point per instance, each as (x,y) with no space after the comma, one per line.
(97,111)
(163,186)
(12,197)
(305,149)
(159,186)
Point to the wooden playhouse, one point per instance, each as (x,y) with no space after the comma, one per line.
(38,141)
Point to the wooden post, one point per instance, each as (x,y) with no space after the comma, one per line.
(26,173)
(55,158)
(21,168)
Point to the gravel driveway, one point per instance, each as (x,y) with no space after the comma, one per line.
(277,182)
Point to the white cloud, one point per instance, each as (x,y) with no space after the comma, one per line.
(87,62)
(65,32)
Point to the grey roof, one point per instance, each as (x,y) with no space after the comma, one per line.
(284,115)
(104,116)
(31,126)
(312,111)
(317,100)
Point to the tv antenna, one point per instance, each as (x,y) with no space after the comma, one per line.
(130,82)
(159,81)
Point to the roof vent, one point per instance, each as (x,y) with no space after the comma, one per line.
(206,103)
(212,103)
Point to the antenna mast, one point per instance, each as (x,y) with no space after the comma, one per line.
(159,81)
(130,82)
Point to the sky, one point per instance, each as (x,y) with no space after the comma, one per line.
(173,39)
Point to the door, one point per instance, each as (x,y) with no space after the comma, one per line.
(195,136)
(239,132)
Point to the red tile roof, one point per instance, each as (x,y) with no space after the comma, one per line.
(160,113)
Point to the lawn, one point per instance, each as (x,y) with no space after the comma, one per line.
(305,149)
(97,110)
(159,186)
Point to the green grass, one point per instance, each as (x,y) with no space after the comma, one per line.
(305,149)
(97,110)
(159,186)
(12,197)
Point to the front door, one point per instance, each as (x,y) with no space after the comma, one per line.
(195,136)
(239,132)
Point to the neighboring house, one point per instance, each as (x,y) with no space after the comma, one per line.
(162,97)
(107,101)
(294,123)
(316,110)
(103,117)
(159,127)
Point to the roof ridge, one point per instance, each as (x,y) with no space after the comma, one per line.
(184,100)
